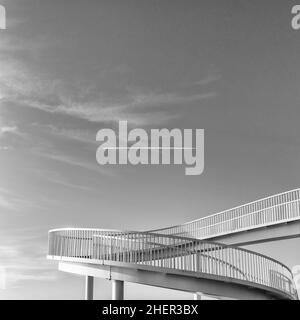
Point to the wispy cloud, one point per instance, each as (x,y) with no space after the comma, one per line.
(7,129)
(8,200)
(23,261)
(80,101)
(22,252)
(20,85)
(68,185)
(208,80)
(80,135)
(74,161)
(6,203)
(137,109)
(15,202)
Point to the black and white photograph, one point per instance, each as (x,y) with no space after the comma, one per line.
(149,151)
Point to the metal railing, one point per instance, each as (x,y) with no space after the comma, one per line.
(275,209)
(171,252)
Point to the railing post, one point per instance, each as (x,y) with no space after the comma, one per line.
(89,288)
(117,290)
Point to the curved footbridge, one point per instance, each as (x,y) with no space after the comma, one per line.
(185,257)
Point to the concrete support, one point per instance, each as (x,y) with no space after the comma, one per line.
(89,288)
(171,280)
(198,296)
(117,290)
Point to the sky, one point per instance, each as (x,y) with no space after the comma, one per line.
(69,68)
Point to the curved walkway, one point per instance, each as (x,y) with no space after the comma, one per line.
(182,251)
(217,265)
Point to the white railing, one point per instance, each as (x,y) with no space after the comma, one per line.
(272,210)
(172,252)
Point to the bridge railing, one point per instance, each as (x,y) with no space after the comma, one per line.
(276,209)
(171,252)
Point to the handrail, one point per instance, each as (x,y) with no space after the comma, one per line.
(283,207)
(172,252)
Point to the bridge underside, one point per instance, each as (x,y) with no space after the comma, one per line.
(282,231)
(183,281)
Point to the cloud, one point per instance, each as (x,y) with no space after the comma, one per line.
(85,136)
(171,99)
(23,261)
(92,112)
(8,200)
(74,161)
(43,96)
(15,202)
(23,252)
(69,185)
(7,129)
(137,109)
(208,80)
(22,86)
(6,203)
(142,109)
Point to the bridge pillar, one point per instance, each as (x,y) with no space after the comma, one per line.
(89,287)
(198,296)
(117,290)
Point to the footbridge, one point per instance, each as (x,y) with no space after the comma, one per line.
(185,257)
(269,219)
